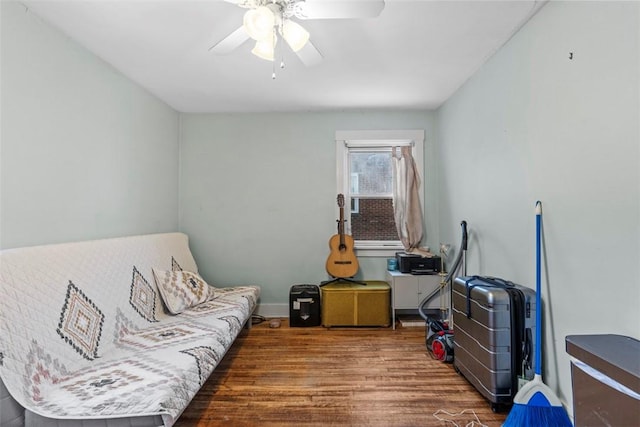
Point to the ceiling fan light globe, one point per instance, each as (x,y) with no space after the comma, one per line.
(295,35)
(259,23)
(265,49)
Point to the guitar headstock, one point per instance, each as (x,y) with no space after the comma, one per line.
(341,200)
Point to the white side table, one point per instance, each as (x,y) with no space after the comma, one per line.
(408,290)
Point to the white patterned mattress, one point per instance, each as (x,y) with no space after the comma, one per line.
(85,335)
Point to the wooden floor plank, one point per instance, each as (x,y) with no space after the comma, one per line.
(334,377)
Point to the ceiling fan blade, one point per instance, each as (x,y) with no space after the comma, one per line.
(309,55)
(339,9)
(230,42)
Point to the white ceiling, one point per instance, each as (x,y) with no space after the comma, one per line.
(415,55)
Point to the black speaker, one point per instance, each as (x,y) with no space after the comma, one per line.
(304,305)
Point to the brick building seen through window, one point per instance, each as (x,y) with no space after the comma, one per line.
(372,219)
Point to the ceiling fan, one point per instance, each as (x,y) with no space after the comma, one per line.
(268,20)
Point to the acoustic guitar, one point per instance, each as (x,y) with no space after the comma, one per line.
(342,261)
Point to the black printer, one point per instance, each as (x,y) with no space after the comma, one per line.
(417,264)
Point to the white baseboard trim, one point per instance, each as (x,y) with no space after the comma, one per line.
(272,310)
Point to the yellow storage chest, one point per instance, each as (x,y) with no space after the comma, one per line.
(352,304)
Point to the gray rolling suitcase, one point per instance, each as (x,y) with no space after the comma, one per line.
(494,329)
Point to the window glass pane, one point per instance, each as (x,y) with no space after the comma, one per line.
(371,173)
(373,219)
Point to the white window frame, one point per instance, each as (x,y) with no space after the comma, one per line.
(354,189)
(374,139)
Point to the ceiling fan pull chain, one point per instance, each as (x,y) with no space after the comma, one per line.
(282,34)
(273,63)
(281,58)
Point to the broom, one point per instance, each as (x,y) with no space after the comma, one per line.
(535,404)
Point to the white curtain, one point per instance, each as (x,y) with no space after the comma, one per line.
(406,200)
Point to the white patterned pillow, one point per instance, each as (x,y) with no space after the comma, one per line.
(181,290)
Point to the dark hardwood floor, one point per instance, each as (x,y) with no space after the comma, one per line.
(339,376)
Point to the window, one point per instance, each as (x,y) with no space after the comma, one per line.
(365,177)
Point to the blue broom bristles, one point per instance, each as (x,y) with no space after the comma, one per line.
(537,416)
(533,407)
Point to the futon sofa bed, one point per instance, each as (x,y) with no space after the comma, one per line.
(112,332)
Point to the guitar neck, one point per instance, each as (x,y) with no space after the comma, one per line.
(341,227)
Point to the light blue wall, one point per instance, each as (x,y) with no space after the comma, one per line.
(534,124)
(258,194)
(85,153)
